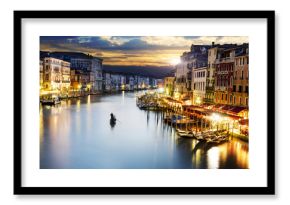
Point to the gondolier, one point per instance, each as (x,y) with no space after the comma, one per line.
(113,119)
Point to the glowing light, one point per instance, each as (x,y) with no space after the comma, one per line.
(160,90)
(198,100)
(167,91)
(176,95)
(216,117)
(174,61)
(187,102)
(213,156)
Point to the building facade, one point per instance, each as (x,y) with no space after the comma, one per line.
(40,74)
(56,75)
(65,81)
(196,58)
(210,74)
(224,77)
(241,79)
(199,77)
(169,85)
(91,69)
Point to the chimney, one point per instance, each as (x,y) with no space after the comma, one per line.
(212,44)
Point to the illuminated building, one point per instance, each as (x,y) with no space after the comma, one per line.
(91,67)
(169,85)
(56,74)
(199,84)
(213,54)
(196,58)
(241,78)
(40,74)
(224,76)
(231,72)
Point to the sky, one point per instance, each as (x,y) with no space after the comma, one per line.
(134,50)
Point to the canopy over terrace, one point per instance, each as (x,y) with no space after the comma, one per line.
(172,102)
(207,113)
(196,111)
(233,111)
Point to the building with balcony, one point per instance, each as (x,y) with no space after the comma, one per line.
(224,77)
(199,76)
(231,76)
(214,54)
(196,58)
(241,78)
(91,68)
(40,74)
(65,81)
(56,74)
(86,70)
(169,85)
(210,78)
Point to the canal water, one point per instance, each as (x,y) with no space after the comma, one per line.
(77,134)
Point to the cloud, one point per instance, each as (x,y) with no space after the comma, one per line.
(207,40)
(167,41)
(133,50)
(118,40)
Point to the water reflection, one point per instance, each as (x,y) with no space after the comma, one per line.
(78,134)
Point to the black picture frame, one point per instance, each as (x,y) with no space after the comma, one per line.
(268,190)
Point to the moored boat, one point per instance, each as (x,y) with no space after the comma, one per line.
(184,133)
(50,101)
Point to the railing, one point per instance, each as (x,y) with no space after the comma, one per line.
(225,60)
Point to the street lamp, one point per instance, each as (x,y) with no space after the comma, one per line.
(216,118)
(79,87)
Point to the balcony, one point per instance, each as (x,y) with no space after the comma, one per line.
(225,60)
(66,81)
(209,89)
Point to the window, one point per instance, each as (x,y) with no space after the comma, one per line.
(246,101)
(242,75)
(234,88)
(240,88)
(222,96)
(46,77)
(47,67)
(234,100)
(231,98)
(240,100)
(226,97)
(247,89)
